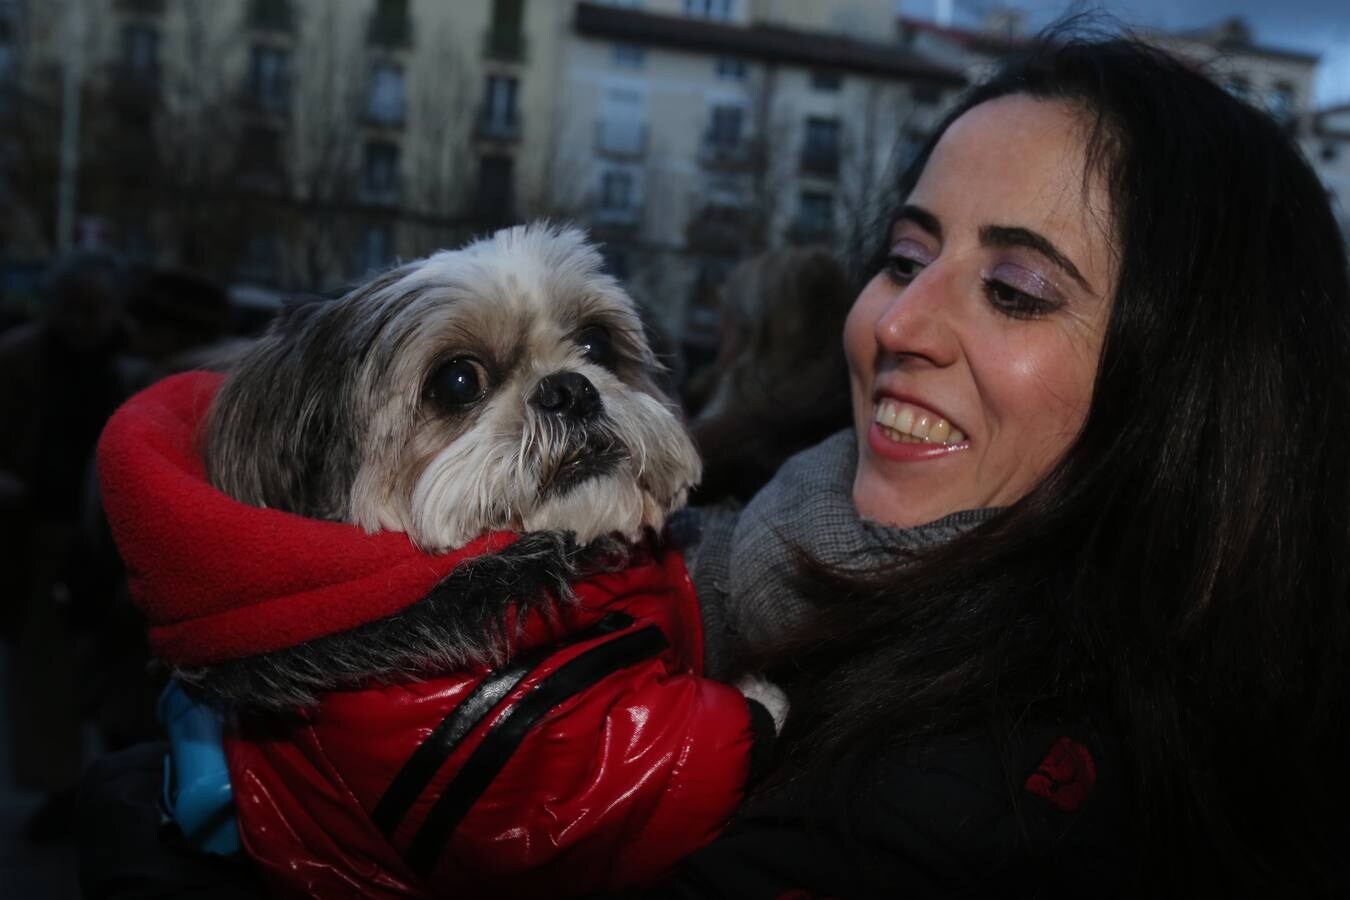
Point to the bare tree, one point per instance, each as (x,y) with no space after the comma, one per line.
(323,167)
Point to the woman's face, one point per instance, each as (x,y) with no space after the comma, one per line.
(972,353)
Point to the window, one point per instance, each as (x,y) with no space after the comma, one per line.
(261,151)
(815,216)
(630,56)
(377,249)
(1281,102)
(730,68)
(616,190)
(140,52)
(494,188)
(9,60)
(381,171)
(618,200)
(820,147)
(724,127)
(389,25)
(506,15)
(268,80)
(622,129)
(505,38)
(270,15)
(386,102)
(499,107)
(822,80)
(725,191)
(718,10)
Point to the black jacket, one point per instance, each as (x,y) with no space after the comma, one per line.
(953,817)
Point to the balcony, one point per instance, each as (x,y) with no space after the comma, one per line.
(621,139)
(384,194)
(616,216)
(718,228)
(265,104)
(496,127)
(820,161)
(809,231)
(504,45)
(735,156)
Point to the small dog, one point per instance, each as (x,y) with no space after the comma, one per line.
(503,386)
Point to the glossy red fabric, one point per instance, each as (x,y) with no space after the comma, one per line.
(613,786)
(218,579)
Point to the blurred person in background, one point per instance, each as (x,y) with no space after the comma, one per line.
(59,382)
(175,319)
(775,387)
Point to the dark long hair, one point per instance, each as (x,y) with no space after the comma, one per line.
(1181,580)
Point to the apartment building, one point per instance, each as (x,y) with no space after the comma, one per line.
(1276,79)
(1327,146)
(703,131)
(301,143)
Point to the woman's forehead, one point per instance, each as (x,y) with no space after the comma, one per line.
(1021,162)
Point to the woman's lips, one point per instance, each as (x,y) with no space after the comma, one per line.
(908,451)
(908,432)
(905,422)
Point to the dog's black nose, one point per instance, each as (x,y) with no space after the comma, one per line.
(568,394)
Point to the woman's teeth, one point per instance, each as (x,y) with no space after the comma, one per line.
(910,424)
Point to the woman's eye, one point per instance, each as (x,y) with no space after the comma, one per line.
(906,260)
(1015,303)
(903,269)
(458,383)
(597,345)
(1021,292)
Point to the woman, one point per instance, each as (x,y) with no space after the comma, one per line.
(1115,301)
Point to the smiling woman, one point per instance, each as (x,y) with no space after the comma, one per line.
(973,350)
(1067,612)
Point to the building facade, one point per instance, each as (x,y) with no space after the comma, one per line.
(1327,146)
(701,133)
(303,143)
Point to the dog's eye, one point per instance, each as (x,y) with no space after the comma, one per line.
(597,345)
(458,383)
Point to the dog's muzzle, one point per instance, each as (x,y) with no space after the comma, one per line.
(569,395)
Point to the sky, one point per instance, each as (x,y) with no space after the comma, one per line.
(1312,26)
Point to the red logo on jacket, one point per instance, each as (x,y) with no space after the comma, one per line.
(1065,777)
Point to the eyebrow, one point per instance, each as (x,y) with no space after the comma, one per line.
(1009,236)
(999,236)
(921,217)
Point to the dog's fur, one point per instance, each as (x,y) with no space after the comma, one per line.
(338,414)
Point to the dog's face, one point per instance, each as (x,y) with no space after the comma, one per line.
(506,385)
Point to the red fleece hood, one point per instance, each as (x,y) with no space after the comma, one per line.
(220,580)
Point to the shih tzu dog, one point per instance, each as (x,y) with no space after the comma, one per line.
(503,386)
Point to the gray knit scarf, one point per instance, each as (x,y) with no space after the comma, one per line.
(743,563)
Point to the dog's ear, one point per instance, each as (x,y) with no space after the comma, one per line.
(280,434)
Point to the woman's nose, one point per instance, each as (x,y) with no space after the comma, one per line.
(919,321)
